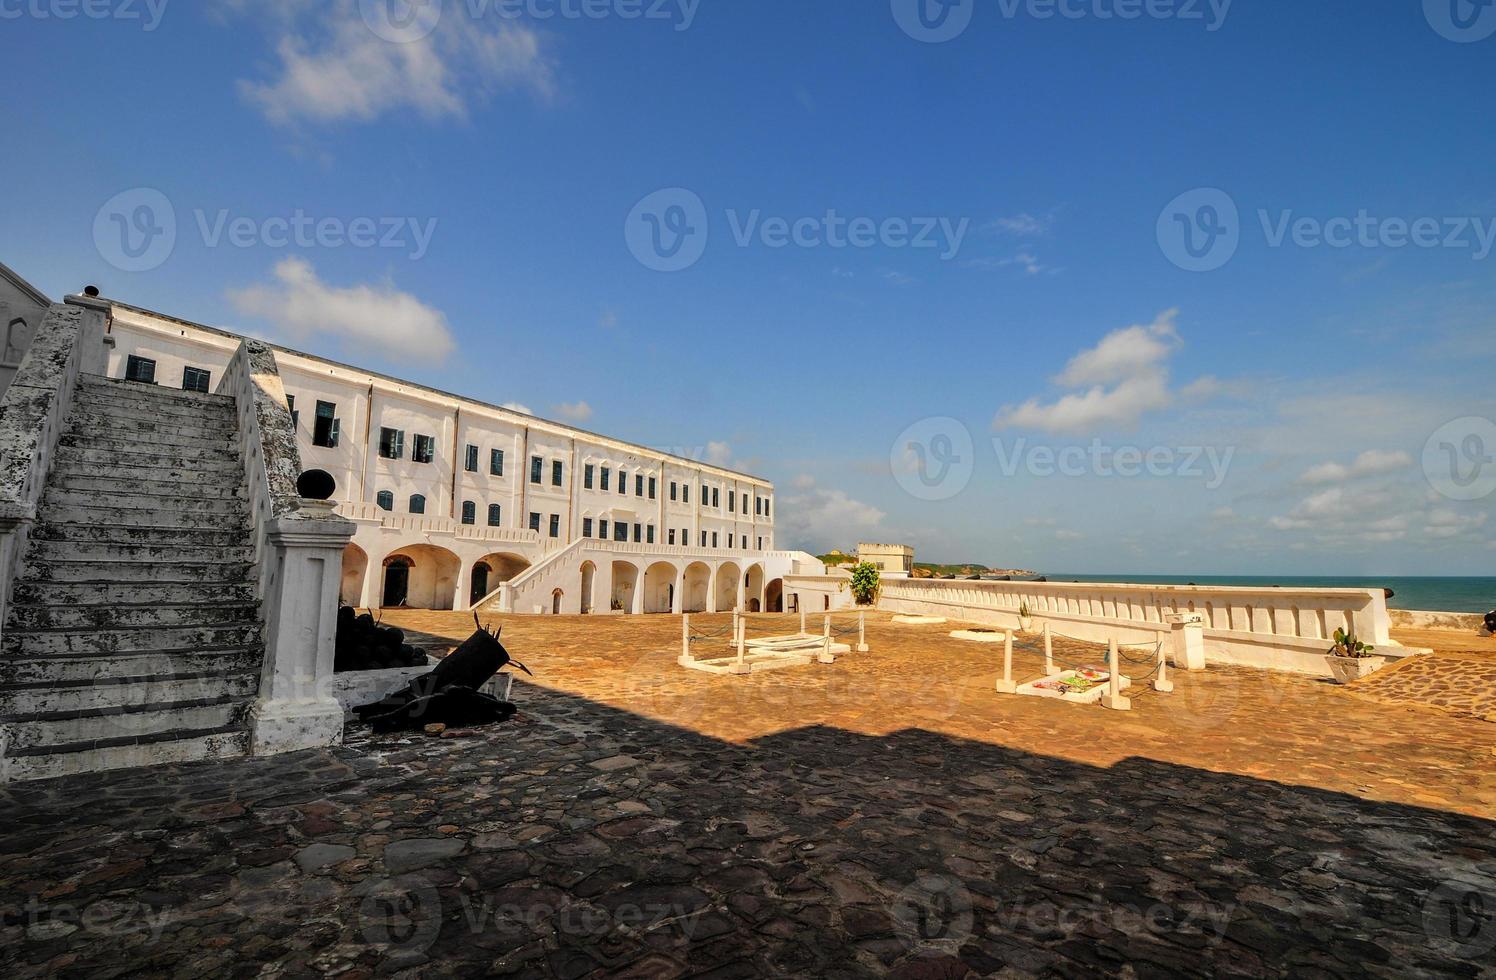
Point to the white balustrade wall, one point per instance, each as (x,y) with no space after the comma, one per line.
(1281,629)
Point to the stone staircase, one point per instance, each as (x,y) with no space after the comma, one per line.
(133,635)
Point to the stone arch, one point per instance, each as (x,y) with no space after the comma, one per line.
(557,597)
(774,596)
(15,343)
(696,587)
(355,568)
(659,587)
(625,585)
(431,577)
(729,579)
(589,580)
(753,588)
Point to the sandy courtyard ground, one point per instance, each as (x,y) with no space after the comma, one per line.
(889,814)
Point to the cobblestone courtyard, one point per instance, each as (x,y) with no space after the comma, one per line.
(889,813)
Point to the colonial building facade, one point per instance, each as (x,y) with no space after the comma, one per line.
(461,503)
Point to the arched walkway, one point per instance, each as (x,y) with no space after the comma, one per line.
(698,585)
(421,576)
(589,579)
(753,588)
(659,587)
(774,596)
(355,567)
(729,584)
(625,585)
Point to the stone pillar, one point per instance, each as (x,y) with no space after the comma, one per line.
(373,590)
(638,599)
(1188,630)
(677,599)
(303,553)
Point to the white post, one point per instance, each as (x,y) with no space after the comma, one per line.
(1048,652)
(305,560)
(1162,684)
(1189,640)
(734,639)
(1113,697)
(802,621)
(685,640)
(826,656)
(740,638)
(1005,684)
(862,632)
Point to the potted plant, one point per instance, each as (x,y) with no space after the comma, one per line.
(1025,617)
(866,584)
(1351,660)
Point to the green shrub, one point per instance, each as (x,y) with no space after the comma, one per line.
(866,584)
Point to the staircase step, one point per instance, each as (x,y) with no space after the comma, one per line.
(224,742)
(92,421)
(180,482)
(114,592)
(131,721)
(145,460)
(130,506)
(87,667)
(227,543)
(63,570)
(123,441)
(157,410)
(121,693)
(101,642)
(174,518)
(113,389)
(76,617)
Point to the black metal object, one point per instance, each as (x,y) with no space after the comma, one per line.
(316,485)
(363,644)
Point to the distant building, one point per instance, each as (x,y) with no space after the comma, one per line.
(891,560)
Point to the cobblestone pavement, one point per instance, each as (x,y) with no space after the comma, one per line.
(1463,686)
(886,814)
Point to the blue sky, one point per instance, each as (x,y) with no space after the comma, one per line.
(1065,156)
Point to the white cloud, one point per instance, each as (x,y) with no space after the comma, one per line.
(1125,376)
(819,519)
(1373,462)
(803,482)
(379,317)
(333,67)
(1446,523)
(576,412)
(1022,225)
(718,453)
(1025,260)
(517,407)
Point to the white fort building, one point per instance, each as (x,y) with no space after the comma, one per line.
(461,503)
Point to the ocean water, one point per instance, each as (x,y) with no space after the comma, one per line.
(1468,595)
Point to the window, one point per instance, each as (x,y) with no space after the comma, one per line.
(685,493)
(729,539)
(651,488)
(417,504)
(537,468)
(606,473)
(141,369)
(766,506)
(638,533)
(649,534)
(391,443)
(685,537)
(760,544)
(639,484)
(535,523)
(620,531)
(586,527)
(732,500)
(674,490)
(327,427)
(556,471)
(623,483)
(714,539)
(470,459)
(424,449)
(196,379)
(602,530)
(587,474)
(495,515)
(703,539)
(385,500)
(295,415)
(555,525)
(716,497)
(469,512)
(706,494)
(672,535)
(758,505)
(496,462)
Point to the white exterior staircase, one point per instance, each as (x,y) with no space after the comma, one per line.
(133,634)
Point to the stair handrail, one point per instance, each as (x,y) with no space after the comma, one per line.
(524,579)
(34,410)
